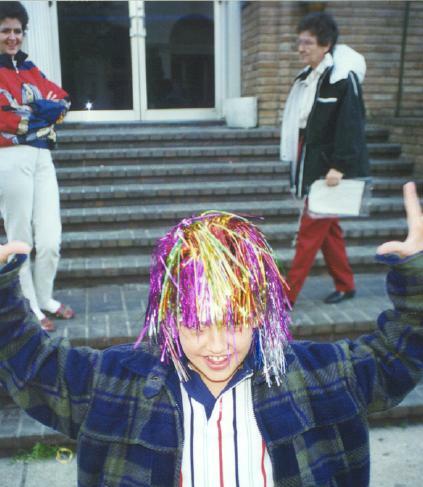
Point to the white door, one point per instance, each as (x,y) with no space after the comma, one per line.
(142,60)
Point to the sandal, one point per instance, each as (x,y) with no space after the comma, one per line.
(47,324)
(64,312)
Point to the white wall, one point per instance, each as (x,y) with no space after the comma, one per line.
(42,39)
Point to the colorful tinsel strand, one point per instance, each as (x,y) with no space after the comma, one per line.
(217,269)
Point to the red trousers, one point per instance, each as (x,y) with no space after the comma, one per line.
(325,234)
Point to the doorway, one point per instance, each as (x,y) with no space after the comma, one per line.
(141,60)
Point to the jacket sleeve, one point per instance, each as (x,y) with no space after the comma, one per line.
(21,120)
(52,111)
(386,365)
(350,138)
(48,378)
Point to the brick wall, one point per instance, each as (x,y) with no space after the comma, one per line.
(412,93)
(269,61)
(374,28)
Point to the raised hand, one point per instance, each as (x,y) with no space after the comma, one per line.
(414,241)
(12,248)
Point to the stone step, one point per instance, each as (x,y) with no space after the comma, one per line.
(179,192)
(148,216)
(124,194)
(216,171)
(130,241)
(95,270)
(72,176)
(165,137)
(156,125)
(131,136)
(166,155)
(399,166)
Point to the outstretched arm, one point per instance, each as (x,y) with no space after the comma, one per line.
(387,364)
(52,381)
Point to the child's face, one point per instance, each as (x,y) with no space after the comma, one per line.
(215,352)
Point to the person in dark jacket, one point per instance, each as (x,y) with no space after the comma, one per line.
(323,136)
(216,393)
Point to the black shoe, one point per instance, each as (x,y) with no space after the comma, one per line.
(338,296)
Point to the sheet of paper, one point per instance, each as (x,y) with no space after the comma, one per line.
(344,199)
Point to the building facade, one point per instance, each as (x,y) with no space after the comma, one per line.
(180,60)
(388,34)
(139,60)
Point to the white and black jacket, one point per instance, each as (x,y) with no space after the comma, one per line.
(334,136)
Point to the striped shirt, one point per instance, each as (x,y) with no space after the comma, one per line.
(223,446)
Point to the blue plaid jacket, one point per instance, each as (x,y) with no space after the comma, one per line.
(121,404)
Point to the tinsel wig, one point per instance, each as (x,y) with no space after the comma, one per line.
(217,269)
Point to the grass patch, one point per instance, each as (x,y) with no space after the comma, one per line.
(39,451)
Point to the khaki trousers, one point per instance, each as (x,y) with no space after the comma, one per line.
(30,207)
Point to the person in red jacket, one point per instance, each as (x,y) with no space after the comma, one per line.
(30,106)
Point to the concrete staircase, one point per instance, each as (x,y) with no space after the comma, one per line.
(123,185)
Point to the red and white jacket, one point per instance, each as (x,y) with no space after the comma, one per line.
(26,115)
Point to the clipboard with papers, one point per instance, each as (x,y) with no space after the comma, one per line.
(349,198)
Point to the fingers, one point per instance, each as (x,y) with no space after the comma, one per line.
(12,248)
(332,181)
(414,241)
(412,205)
(51,96)
(333,177)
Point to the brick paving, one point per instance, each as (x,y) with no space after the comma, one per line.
(114,313)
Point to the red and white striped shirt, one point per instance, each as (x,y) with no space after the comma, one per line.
(223,446)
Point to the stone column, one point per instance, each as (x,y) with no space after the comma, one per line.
(42,39)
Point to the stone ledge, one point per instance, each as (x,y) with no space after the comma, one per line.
(196,151)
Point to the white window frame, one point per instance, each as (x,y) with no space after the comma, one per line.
(43,40)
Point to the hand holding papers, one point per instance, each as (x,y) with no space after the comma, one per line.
(343,200)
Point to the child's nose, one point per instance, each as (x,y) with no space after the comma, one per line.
(218,342)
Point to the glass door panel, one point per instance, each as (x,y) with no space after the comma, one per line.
(132,60)
(95,54)
(179,54)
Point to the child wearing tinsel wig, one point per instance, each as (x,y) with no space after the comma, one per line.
(215,392)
